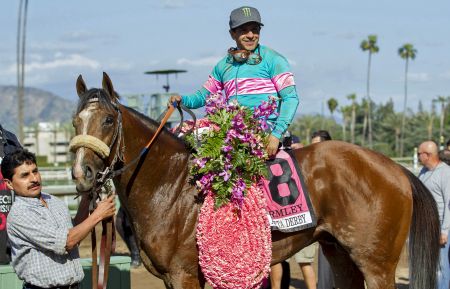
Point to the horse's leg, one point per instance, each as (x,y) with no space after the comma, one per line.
(346,273)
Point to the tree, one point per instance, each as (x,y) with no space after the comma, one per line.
(346,116)
(443,101)
(352,97)
(407,51)
(370,45)
(332,105)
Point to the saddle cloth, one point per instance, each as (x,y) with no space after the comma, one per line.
(288,203)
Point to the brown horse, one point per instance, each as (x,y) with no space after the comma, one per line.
(365,203)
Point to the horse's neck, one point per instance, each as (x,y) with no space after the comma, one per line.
(167,155)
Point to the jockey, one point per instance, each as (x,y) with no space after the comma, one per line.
(251,73)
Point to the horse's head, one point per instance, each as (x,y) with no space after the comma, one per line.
(97,124)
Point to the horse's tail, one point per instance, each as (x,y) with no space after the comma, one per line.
(423,237)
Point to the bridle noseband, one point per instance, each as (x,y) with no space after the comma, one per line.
(102,149)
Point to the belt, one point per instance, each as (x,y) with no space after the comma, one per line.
(31,286)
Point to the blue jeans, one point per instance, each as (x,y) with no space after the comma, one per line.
(443,274)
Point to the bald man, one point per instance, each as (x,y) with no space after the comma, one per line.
(436,177)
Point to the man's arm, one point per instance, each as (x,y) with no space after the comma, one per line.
(445,186)
(83,210)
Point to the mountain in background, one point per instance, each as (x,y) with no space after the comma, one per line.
(40,106)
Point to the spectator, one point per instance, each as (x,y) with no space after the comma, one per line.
(296,144)
(44,243)
(319,136)
(444,156)
(305,259)
(8,143)
(324,272)
(436,177)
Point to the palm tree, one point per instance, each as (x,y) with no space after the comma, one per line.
(346,116)
(352,97)
(305,124)
(407,51)
(443,101)
(369,44)
(332,105)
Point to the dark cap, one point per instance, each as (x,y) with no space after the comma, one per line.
(244,15)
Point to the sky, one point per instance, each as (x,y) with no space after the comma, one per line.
(320,38)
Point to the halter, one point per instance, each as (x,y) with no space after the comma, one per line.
(102,149)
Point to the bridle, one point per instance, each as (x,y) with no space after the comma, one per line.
(107,245)
(102,150)
(100,274)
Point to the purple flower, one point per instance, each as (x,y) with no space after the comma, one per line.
(226,175)
(227,148)
(200,162)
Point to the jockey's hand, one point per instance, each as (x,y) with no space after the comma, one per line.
(272,146)
(174,98)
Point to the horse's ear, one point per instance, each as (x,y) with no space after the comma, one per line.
(81,86)
(108,86)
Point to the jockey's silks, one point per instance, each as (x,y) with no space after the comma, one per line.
(252,84)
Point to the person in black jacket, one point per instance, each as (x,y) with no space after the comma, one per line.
(8,144)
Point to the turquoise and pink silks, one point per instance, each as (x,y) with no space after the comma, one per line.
(252,84)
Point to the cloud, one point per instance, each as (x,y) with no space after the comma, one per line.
(119,65)
(205,61)
(51,47)
(346,36)
(419,77)
(81,37)
(59,61)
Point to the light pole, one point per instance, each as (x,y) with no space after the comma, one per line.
(21,37)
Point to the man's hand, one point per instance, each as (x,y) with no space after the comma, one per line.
(105,209)
(272,146)
(443,239)
(174,98)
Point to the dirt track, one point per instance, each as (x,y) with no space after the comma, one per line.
(142,279)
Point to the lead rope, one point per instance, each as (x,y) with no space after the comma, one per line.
(107,244)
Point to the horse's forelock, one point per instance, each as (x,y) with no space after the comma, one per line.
(102,96)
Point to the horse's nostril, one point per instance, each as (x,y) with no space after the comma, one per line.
(89,173)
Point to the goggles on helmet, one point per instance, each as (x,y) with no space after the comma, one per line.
(242,55)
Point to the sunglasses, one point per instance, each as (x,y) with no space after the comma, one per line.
(419,153)
(242,55)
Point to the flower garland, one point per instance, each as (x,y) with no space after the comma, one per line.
(235,252)
(231,155)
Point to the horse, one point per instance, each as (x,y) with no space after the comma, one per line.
(364,202)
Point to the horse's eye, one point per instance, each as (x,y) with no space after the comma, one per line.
(75,122)
(109,120)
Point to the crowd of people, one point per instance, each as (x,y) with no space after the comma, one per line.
(41,231)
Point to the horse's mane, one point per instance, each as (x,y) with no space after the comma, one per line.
(104,101)
(151,122)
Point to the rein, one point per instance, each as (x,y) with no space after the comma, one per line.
(100,273)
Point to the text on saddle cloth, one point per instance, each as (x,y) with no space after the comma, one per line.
(288,203)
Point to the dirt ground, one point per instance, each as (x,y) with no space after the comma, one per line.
(142,279)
